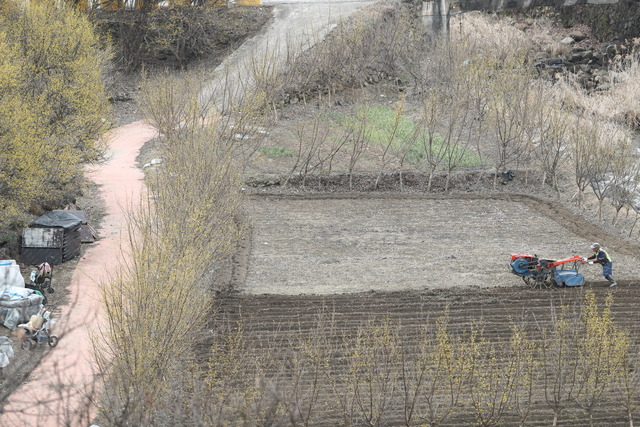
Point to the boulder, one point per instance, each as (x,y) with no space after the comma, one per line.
(575,57)
(577,35)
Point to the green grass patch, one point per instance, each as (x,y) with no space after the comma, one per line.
(275,151)
(383,122)
(384,125)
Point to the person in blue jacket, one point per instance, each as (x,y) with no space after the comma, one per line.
(601,257)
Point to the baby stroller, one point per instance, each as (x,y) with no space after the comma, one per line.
(41,279)
(37,331)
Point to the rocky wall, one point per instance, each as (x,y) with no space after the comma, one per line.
(609,22)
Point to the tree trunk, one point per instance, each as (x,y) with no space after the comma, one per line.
(633,226)
(600,202)
(430,180)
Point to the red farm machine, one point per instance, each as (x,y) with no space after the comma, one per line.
(545,273)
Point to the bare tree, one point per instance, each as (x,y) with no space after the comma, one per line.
(390,137)
(372,371)
(169,101)
(625,178)
(445,368)
(509,114)
(456,131)
(452,103)
(432,147)
(311,139)
(308,362)
(523,350)
(636,210)
(359,142)
(492,379)
(628,383)
(552,150)
(586,134)
(610,162)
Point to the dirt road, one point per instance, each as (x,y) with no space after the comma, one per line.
(296,26)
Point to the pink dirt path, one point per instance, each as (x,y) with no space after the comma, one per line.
(39,402)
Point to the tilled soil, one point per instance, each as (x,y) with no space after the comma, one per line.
(359,259)
(324,244)
(283,319)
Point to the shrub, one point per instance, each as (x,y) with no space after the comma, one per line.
(54,108)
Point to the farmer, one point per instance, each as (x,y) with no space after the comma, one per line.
(603,258)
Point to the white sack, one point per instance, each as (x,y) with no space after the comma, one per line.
(6,351)
(10,274)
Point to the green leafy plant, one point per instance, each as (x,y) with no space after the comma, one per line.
(276,151)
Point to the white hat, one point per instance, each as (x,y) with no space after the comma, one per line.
(595,246)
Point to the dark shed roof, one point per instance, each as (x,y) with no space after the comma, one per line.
(64,219)
(82,216)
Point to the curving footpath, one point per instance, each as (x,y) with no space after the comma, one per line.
(59,389)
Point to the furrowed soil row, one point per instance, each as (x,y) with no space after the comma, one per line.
(275,322)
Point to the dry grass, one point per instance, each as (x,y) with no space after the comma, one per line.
(489,37)
(620,103)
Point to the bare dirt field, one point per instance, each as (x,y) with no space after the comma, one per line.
(326,244)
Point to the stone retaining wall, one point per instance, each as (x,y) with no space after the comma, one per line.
(609,22)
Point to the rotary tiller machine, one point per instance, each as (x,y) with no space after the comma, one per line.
(545,273)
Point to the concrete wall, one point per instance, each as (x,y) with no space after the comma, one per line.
(524,4)
(435,15)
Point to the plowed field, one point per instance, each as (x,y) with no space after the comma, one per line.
(285,319)
(334,244)
(362,258)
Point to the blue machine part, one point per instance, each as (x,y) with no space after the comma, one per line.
(568,278)
(520,267)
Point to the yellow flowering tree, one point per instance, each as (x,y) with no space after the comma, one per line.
(602,353)
(53,105)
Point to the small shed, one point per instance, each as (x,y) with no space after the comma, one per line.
(55,237)
(87,232)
